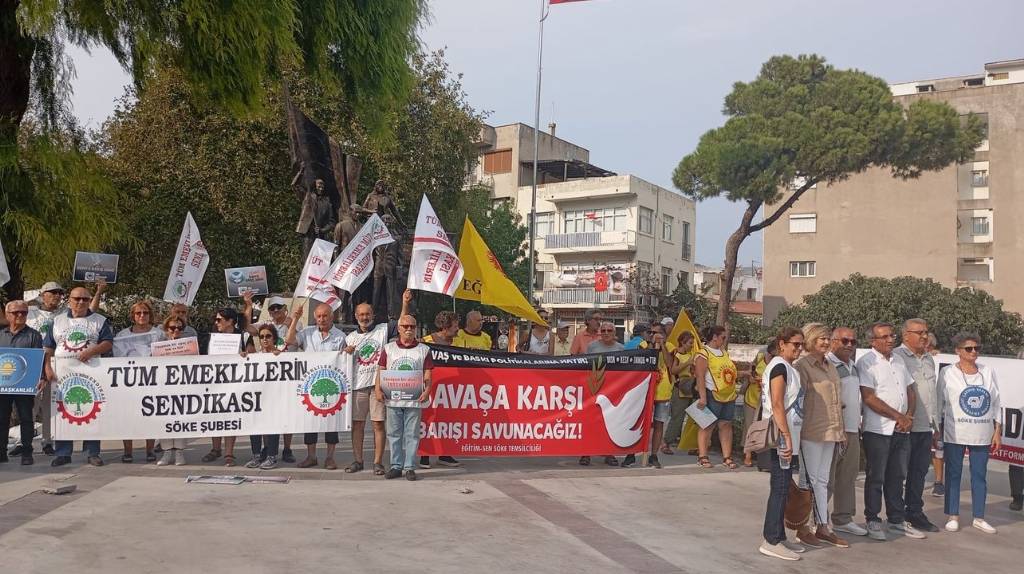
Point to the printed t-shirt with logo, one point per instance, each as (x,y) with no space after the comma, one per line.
(70,336)
(398,357)
(481,340)
(42,320)
(368,348)
(970,405)
(720,377)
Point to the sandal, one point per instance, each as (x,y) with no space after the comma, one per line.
(356,466)
(127,458)
(665,449)
(378,469)
(704,462)
(229,460)
(727,461)
(211,456)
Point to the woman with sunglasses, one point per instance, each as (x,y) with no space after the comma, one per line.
(174,448)
(782,400)
(226,321)
(135,341)
(971,419)
(264,447)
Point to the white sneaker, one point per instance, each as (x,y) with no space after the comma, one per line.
(794,546)
(179,457)
(777,551)
(851,528)
(269,464)
(908,530)
(983,526)
(254,463)
(165,459)
(953,525)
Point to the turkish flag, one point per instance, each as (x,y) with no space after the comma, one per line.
(600,281)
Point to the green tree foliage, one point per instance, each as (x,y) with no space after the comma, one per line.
(802,122)
(230,54)
(77,396)
(703,313)
(324,388)
(859,301)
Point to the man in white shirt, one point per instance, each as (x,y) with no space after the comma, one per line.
(844,479)
(888,396)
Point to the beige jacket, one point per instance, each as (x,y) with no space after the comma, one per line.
(823,404)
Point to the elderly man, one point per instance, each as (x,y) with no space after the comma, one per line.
(921,364)
(607,343)
(847,466)
(403,422)
(366,344)
(473,336)
(278,310)
(887,392)
(583,339)
(78,334)
(17,335)
(321,337)
(563,345)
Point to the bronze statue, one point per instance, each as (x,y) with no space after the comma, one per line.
(387,260)
(317,219)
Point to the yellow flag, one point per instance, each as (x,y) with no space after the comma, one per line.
(485,281)
(683,323)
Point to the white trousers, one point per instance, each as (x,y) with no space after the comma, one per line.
(816,460)
(169,443)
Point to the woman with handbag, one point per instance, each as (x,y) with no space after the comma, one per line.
(782,406)
(752,395)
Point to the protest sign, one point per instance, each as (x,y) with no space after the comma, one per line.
(434,266)
(402,388)
(224,344)
(189,265)
(354,264)
(242,280)
(20,370)
(502,404)
(93,266)
(175,347)
(313,279)
(183,397)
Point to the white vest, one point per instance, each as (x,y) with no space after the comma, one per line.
(366,355)
(74,334)
(793,400)
(402,359)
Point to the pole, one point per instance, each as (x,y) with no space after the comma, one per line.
(536,151)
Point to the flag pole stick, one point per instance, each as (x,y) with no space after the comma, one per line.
(536,152)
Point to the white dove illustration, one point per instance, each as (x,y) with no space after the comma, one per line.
(620,419)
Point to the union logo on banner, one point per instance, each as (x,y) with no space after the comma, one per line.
(368,353)
(79,398)
(324,391)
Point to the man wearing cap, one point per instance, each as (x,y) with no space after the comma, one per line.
(668,323)
(563,345)
(78,334)
(641,332)
(16,335)
(40,318)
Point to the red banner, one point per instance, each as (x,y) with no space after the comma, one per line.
(502,404)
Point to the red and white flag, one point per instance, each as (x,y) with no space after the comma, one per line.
(354,264)
(189,265)
(435,266)
(313,279)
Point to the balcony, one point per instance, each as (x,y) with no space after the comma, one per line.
(589,241)
(587,297)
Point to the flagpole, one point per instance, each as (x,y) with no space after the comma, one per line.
(536,152)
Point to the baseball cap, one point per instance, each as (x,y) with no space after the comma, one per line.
(639,329)
(51,286)
(667,320)
(563,324)
(275,300)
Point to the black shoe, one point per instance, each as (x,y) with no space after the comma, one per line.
(628,461)
(158,449)
(923,524)
(3,457)
(653,461)
(48,450)
(424,462)
(448,461)
(410,475)
(287,456)
(60,461)
(393,473)
(16,450)
(584,461)
(26,459)
(95,461)
(1017,503)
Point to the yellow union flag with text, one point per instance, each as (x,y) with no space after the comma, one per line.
(485,281)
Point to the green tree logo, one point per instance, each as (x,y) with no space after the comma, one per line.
(324,388)
(366,351)
(77,396)
(77,337)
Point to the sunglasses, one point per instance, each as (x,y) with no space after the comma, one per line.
(972,348)
(407,326)
(267,337)
(607,330)
(847,342)
(796,344)
(81,299)
(921,333)
(175,328)
(18,313)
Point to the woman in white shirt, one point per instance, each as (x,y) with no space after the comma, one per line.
(971,419)
(135,341)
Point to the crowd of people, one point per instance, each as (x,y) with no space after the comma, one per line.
(892,408)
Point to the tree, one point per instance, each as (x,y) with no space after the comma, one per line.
(324,388)
(801,123)
(77,396)
(231,54)
(859,301)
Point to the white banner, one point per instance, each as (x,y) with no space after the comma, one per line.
(185,397)
(5,272)
(189,265)
(313,279)
(354,264)
(435,266)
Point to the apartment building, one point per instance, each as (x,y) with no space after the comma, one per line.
(603,240)
(958,226)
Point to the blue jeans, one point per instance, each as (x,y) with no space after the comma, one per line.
(403,430)
(954,457)
(66,447)
(774,514)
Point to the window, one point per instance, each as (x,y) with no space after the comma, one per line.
(922,88)
(684,236)
(999,76)
(646,221)
(666,227)
(801,268)
(545,225)
(666,280)
(974,270)
(643,273)
(974,82)
(979,178)
(803,223)
(684,280)
(498,161)
(603,219)
(979,226)
(751,294)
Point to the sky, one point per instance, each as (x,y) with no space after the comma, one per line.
(637,82)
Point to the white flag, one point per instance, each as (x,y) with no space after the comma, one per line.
(5,272)
(313,280)
(189,265)
(354,264)
(435,266)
